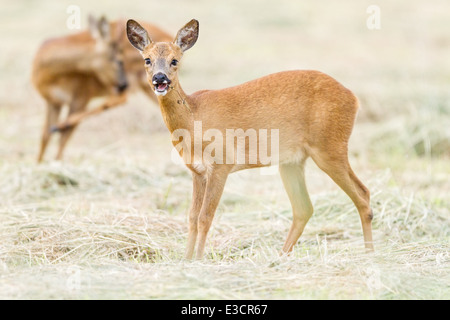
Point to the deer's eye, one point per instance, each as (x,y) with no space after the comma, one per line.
(174,62)
(147,61)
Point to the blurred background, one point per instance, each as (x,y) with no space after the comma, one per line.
(399,71)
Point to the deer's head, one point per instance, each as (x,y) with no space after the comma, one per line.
(162,58)
(107,60)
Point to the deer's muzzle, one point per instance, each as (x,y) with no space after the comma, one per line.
(161,83)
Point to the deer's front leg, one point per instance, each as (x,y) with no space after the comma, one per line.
(198,192)
(214,187)
(75,118)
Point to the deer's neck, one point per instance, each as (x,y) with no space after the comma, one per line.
(176,108)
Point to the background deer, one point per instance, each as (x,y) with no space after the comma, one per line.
(73,69)
(313,112)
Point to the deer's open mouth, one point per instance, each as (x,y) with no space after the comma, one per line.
(161,88)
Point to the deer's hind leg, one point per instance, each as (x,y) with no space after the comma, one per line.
(293,178)
(77,105)
(338,168)
(51,119)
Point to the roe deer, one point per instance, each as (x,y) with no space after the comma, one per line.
(313,113)
(73,69)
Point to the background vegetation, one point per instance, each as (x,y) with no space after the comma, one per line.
(110,221)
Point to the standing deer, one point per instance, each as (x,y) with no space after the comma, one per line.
(98,62)
(313,113)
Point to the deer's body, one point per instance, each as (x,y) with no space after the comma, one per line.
(71,70)
(254,105)
(313,113)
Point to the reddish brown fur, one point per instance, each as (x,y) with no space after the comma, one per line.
(313,112)
(63,73)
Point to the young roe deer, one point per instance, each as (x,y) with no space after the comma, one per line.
(73,69)
(313,112)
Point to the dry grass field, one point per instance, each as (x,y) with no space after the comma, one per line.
(110,221)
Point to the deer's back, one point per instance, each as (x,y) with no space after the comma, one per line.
(291,99)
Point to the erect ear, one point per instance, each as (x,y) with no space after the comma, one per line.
(187,36)
(137,35)
(103,27)
(93,27)
(99,28)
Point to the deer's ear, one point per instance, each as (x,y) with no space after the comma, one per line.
(93,27)
(137,35)
(99,28)
(103,27)
(187,36)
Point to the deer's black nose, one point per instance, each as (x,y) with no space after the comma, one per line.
(160,78)
(122,87)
